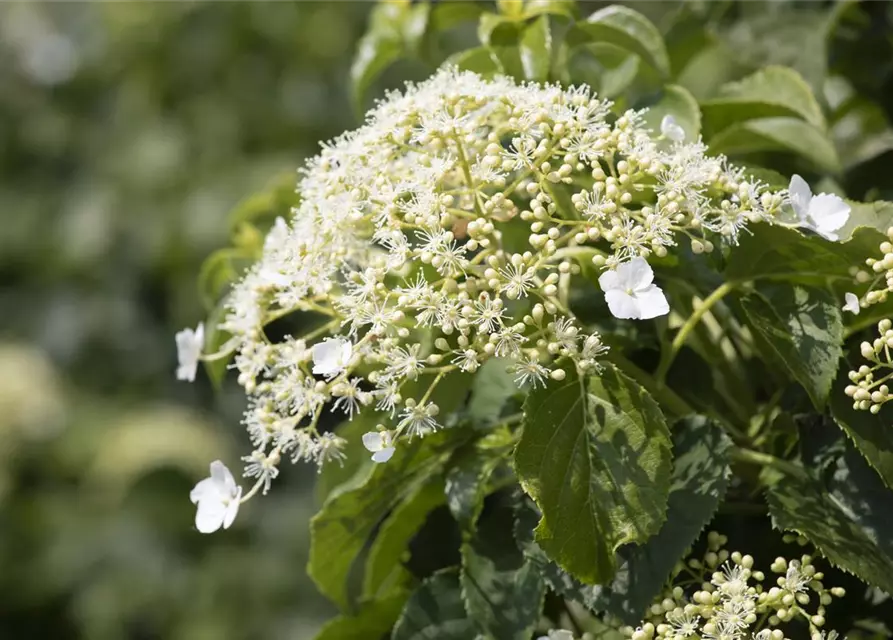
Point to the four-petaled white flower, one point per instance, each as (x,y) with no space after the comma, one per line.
(379,443)
(217,498)
(189,349)
(331,356)
(825,213)
(631,293)
(671,130)
(852,303)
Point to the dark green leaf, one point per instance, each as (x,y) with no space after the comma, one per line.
(372,621)
(503,592)
(871,434)
(352,512)
(676,101)
(482,60)
(778,252)
(778,134)
(435,612)
(384,570)
(356,457)
(560,581)
(493,386)
(595,456)
(625,28)
(700,477)
(769,93)
(536,49)
(466,485)
(849,518)
(800,329)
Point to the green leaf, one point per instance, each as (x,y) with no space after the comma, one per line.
(503,592)
(219,271)
(435,612)
(849,518)
(700,478)
(778,134)
(778,252)
(340,531)
(627,29)
(466,486)
(535,48)
(676,101)
(356,458)
(876,215)
(708,69)
(871,434)
(499,30)
(215,340)
(446,15)
(800,329)
(384,571)
(395,30)
(559,580)
(769,93)
(595,456)
(493,386)
(607,68)
(482,60)
(373,620)
(564,8)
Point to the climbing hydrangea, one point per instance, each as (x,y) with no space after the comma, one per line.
(446,232)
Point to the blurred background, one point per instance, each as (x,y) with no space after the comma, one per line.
(128,132)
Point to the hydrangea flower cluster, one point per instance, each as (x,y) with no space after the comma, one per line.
(445,232)
(733,604)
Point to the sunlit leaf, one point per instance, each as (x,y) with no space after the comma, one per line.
(595,456)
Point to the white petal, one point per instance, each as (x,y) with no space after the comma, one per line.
(622,305)
(328,356)
(346,352)
(800,194)
(652,302)
(852,303)
(670,129)
(222,477)
(210,515)
(189,350)
(829,213)
(384,455)
(373,441)
(635,274)
(203,489)
(232,509)
(608,280)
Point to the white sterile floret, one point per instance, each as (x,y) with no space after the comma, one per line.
(825,213)
(379,443)
(671,130)
(331,357)
(189,350)
(217,499)
(631,293)
(852,303)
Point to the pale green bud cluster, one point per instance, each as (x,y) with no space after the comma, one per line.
(732,601)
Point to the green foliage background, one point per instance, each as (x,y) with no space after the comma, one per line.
(129,131)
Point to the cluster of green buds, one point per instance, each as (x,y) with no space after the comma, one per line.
(869,390)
